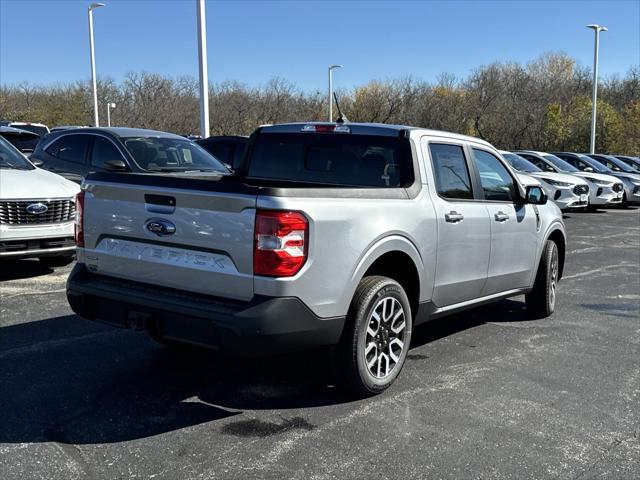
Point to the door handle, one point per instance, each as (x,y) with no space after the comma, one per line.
(501,217)
(453,217)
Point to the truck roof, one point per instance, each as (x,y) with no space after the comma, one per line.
(370,129)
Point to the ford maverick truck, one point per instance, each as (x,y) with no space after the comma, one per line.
(339,235)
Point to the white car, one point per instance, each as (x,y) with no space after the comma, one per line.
(37,211)
(37,128)
(567,191)
(603,189)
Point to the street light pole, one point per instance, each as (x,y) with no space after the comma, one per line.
(110,105)
(93,63)
(204,75)
(597,29)
(331,68)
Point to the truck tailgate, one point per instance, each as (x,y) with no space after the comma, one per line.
(189,236)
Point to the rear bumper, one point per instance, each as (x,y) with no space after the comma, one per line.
(263,326)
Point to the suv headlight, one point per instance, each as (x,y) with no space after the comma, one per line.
(556,183)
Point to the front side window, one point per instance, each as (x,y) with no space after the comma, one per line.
(451,171)
(585,162)
(70,148)
(561,164)
(495,179)
(103,151)
(537,162)
(520,163)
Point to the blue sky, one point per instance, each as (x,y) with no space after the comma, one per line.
(45,42)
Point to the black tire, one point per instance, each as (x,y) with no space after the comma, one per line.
(353,353)
(541,301)
(53,262)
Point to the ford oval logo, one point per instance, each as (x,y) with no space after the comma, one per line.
(37,208)
(160,227)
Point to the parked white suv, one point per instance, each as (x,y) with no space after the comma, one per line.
(37,210)
(567,191)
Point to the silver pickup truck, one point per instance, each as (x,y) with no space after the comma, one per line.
(328,235)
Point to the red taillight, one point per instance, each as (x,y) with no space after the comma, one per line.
(78,227)
(280,244)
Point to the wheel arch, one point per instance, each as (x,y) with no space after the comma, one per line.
(559,238)
(397,258)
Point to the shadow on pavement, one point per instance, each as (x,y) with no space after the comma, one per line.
(71,381)
(19,269)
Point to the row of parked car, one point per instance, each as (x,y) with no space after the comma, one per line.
(31,195)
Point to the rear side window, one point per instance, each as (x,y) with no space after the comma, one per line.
(70,148)
(333,159)
(103,151)
(495,179)
(451,171)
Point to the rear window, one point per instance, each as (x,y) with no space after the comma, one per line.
(24,143)
(344,160)
(40,130)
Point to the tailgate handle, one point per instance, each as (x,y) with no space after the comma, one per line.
(164,200)
(159,203)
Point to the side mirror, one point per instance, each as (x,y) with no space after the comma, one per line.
(535,195)
(616,169)
(588,169)
(116,166)
(549,168)
(37,162)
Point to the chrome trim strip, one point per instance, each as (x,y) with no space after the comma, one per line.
(42,250)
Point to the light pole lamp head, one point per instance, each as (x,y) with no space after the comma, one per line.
(332,67)
(96,5)
(597,28)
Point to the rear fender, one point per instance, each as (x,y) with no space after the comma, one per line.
(393,243)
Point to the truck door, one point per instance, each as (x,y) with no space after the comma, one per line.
(464,235)
(514,226)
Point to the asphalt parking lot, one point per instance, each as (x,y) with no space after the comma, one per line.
(485,394)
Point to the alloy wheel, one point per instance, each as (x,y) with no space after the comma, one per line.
(385,337)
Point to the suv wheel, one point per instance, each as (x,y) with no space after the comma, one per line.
(376,339)
(541,301)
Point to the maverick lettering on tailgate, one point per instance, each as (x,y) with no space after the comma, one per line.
(166,255)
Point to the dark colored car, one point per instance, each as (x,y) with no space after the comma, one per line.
(73,153)
(23,140)
(228,149)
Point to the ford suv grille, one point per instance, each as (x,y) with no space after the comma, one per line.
(580,189)
(23,212)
